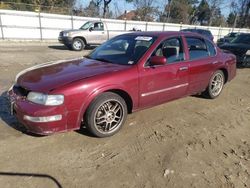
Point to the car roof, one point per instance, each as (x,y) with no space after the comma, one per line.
(165,33)
(244,33)
(94,21)
(194,29)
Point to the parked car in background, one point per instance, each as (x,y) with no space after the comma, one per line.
(91,33)
(203,32)
(128,73)
(227,39)
(240,47)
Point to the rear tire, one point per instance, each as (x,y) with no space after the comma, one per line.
(78,44)
(215,85)
(106,114)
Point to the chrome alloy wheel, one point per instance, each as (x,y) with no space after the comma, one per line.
(109,116)
(217,84)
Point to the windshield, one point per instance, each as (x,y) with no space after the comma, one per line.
(124,49)
(231,35)
(245,39)
(86,26)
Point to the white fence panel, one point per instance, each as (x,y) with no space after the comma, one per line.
(79,21)
(17,20)
(154,26)
(21,33)
(130,25)
(32,25)
(171,27)
(243,30)
(49,34)
(115,25)
(225,31)
(56,21)
(215,32)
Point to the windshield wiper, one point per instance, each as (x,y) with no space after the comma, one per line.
(102,59)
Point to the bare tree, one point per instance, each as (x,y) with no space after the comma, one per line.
(244,14)
(92,10)
(118,11)
(178,11)
(145,11)
(239,13)
(105,6)
(215,13)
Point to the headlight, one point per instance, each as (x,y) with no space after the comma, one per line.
(65,34)
(48,100)
(248,52)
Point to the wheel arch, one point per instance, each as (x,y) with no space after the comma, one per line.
(225,72)
(80,37)
(117,90)
(127,98)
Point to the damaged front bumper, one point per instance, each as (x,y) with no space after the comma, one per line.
(36,118)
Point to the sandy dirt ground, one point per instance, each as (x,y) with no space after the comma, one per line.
(191,142)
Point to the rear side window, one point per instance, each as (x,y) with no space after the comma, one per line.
(211,48)
(197,48)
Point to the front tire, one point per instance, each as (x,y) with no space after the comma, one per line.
(106,115)
(78,44)
(215,85)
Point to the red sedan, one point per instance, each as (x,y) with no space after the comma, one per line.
(125,74)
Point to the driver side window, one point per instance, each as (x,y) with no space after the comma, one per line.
(98,26)
(172,49)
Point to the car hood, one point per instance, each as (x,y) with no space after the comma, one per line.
(236,48)
(46,77)
(72,30)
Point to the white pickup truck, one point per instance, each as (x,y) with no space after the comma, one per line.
(91,33)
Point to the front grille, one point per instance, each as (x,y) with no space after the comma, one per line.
(61,34)
(20,91)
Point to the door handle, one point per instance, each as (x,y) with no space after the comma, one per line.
(215,62)
(183,68)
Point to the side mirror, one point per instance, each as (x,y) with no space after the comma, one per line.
(91,29)
(158,60)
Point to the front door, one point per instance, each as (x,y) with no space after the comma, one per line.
(98,34)
(163,83)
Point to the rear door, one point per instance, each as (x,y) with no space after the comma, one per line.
(162,83)
(201,62)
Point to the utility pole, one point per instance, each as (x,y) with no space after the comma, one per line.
(235,21)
